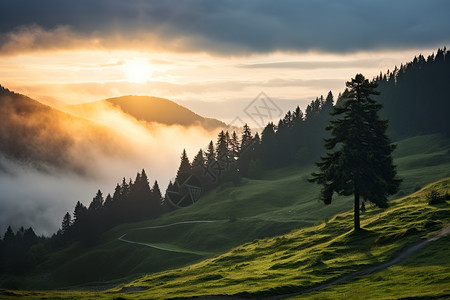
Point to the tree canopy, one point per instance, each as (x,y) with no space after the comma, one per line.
(359,160)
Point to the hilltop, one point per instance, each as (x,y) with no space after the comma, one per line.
(35,134)
(151,110)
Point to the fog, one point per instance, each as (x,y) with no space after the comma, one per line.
(40,197)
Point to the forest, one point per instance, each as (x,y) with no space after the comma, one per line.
(415,91)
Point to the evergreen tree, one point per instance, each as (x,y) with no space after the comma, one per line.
(362,165)
(185,165)
(329,101)
(210,154)
(79,212)
(117,194)
(247,137)
(97,202)
(221,146)
(108,201)
(234,145)
(199,159)
(66,223)
(157,192)
(298,115)
(9,235)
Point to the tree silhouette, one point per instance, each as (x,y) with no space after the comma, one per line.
(199,159)
(185,165)
(222,146)
(210,154)
(362,163)
(246,138)
(97,202)
(157,192)
(66,223)
(234,145)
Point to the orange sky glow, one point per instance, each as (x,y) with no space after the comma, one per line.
(78,76)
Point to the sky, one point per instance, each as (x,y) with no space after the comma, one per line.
(221,59)
(214,57)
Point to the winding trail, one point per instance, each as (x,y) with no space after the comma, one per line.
(122,238)
(403,255)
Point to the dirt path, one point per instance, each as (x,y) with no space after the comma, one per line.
(122,238)
(406,253)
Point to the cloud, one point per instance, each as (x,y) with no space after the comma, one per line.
(224,27)
(312,65)
(40,197)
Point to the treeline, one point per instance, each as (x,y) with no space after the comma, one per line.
(295,139)
(22,251)
(416,96)
(130,202)
(416,101)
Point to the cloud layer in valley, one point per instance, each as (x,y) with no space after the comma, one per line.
(39,198)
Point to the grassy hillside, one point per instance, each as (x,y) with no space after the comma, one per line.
(426,275)
(253,209)
(308,257)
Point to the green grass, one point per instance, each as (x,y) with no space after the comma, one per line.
(308,257)
(426,275)
(254,209)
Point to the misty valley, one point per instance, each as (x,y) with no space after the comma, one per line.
(345,195)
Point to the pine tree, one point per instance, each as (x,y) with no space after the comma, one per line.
(329,101)
(221,146)
(362,165)
(157,192)
(234,145)
(117,194)
(9,235)
(66,223)
(298,115)
(108,201)
(97,202)
(125,189)
(247,137)
(210,154)
(79,212)
(199,159)
(185,165)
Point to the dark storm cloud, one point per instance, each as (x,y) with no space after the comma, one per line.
(231,27)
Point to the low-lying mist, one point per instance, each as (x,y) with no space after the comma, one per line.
(40,197)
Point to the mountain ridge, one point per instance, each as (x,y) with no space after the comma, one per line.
(44,137)
(153,109)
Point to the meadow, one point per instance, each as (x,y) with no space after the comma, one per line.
(256,219)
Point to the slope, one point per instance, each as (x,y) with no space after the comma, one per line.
(425,275)
(298,260)
(252,209)
(150,110)
(46,138)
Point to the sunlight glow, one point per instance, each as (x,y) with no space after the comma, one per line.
(137,70)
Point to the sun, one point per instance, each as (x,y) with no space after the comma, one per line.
(137,70)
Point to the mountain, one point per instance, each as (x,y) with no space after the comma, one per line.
(38,135)
(151,110)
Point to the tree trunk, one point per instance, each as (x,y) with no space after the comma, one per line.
(356,211)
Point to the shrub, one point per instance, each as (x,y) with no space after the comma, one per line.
(434,197)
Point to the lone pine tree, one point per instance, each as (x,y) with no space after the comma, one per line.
(360,157)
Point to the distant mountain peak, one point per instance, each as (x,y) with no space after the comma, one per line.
(157,110)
